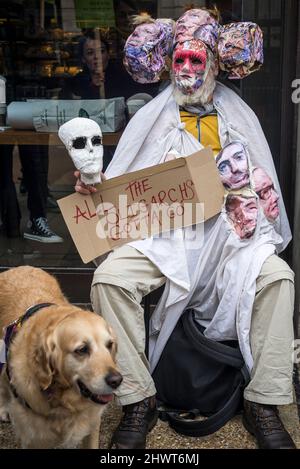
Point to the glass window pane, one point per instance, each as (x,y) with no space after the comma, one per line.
(263,9)
(69,51)
(248,10)
(59,54)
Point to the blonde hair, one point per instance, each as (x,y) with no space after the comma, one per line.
(142,18)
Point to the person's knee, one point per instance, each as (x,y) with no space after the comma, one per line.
(95,296)
(276,265)
(107,266)
(103,293)
(110,284)
(115,272)
(281,266)
(112,268)
(275,271)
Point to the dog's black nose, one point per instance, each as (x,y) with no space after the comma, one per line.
(114,379)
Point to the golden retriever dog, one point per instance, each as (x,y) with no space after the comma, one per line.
(61,364)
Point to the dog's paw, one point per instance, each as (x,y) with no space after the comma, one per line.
(4,416)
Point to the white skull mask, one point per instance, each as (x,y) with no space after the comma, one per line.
(83,140)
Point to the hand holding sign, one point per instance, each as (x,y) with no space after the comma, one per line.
(83,188)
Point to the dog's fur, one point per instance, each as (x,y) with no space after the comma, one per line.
(54,349)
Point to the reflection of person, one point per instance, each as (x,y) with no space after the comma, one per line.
(268,196)
(94,57)
(34,162)
(35,168)
(233,167)
(100,69)
(134,270)
(242,212)
(100,74)
(124,10)
(10,210)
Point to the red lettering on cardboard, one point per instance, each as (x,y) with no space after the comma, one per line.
(186,190)
(79,213)
(138,188)
(161,196)
(174,190)
(91,215)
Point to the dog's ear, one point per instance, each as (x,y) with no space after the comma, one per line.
(114,340)
(44,371)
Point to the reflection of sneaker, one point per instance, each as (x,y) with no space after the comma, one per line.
(39,231)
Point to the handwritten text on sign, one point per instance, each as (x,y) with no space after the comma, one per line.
(136,216)
(136,205)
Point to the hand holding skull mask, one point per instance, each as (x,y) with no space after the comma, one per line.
(83,140)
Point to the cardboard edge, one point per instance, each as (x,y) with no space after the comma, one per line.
(86,258)
(194,163)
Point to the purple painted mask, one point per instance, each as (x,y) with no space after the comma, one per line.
(240,49)
(197,24)
(146,50)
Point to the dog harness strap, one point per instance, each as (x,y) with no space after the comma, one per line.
(10,331)
(33,309)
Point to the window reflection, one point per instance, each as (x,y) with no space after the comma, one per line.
(48,54)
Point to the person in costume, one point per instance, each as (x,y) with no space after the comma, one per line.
(238,286)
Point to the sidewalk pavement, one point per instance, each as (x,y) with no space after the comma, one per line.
(231,436)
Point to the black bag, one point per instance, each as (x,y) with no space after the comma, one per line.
(198,376)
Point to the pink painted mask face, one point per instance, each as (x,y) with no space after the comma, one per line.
(189,66)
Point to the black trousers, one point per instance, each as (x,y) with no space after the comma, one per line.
(34,160)
(10,211)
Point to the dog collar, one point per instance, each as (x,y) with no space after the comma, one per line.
(10,332)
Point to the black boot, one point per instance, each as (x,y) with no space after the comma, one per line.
(264,423)
(136,423)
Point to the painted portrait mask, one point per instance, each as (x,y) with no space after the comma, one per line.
(268,197)
(242,214)
(232,163)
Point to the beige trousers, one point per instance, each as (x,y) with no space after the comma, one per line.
(122,280)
